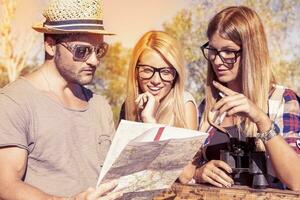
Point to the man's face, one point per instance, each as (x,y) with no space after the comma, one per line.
(76,57)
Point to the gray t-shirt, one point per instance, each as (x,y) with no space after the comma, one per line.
(66,148)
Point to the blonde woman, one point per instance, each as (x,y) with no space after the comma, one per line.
(155,87)
(242,90)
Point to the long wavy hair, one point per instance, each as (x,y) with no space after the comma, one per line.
(171,108)
(243,26)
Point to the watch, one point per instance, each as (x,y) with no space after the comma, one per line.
(266,136)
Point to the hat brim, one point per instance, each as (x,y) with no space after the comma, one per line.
(42,29)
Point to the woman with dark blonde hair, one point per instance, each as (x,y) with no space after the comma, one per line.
(155,86)
(243,100)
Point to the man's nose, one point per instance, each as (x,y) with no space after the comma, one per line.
(93,60)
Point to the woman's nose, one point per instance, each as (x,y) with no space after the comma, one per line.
(218,60)
(156,78)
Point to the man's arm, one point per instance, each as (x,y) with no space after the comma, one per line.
(13,161)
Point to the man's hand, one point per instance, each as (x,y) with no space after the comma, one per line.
(101,193)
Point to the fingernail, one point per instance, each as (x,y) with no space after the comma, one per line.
(214,82)
(221,94)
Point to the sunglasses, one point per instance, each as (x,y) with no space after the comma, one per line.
(82,52)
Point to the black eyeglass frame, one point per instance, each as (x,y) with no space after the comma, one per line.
(72,48)
(236,53)
(157,70)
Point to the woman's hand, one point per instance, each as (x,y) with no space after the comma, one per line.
(187,173)
(147,104)
(214,172)
(238,104)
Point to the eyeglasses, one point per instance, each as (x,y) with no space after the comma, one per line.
(165,73)
(227,56)
(82,52)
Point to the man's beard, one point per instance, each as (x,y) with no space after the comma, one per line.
(68,75)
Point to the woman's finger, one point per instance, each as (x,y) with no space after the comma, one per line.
(138,99)
(238,109)
(229,101)
(149,96)
(244,108)
(217,178)
(223,89)
(211,181)
(224,176)
(145,97)
(223,165)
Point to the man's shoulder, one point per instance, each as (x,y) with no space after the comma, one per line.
(100,98)
(96,98)
(18,90)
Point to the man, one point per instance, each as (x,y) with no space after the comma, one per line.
(54,133)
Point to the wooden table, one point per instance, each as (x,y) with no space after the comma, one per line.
(207,192)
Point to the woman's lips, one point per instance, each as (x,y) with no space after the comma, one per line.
(221,71)
(154,90)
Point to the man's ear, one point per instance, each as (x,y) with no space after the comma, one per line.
(50,47)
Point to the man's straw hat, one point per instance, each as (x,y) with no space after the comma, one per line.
(73,16)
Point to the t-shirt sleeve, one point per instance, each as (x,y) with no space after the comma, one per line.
(187,97)
(288,119)
(13,124)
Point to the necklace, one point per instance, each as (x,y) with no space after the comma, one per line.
(48,85)
(50,89)
(56,96)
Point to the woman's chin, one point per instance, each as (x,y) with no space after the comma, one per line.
(224,79)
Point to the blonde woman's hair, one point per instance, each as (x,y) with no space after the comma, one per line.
(243,26)
(171,108)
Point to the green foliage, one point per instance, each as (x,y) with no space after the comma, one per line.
(279,17)
(111,77)
(189,27)
(288,73)
(181,27)
(14,49)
